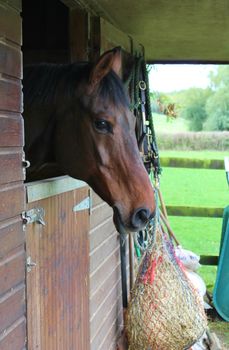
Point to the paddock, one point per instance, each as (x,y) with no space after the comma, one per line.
(60,280)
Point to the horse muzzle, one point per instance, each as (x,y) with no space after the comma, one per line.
(136,222)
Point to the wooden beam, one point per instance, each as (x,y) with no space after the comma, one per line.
(192,163)
(194,211)
(78,35)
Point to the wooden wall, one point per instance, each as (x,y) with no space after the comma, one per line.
(106,313)
(12,254)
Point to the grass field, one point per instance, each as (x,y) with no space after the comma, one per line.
(201,188)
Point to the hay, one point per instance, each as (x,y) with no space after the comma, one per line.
(165,312)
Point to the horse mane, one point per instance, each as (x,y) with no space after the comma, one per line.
(44,83)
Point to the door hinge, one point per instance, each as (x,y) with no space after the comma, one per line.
(83,205)
(34,215)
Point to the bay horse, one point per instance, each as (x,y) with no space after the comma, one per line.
(78,122)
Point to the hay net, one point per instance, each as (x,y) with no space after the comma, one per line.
(165,312)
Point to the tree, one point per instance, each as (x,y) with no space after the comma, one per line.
(217,108)
(220,77)
(193,107)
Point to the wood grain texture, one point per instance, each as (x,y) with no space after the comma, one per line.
(11,130)
(108,246)
(11,165)
(12,270)
(11,200)
(10,60)
(11,236)
(10,23)
(78,30)
(111,320)
(10,95)
(97,298)
(105,278)
(57,288)
(12,306)
(15,337)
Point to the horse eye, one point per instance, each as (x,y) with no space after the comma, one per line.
(103,126)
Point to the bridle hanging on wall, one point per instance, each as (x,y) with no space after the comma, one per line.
(137,84)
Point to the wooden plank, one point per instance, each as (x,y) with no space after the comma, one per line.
(12,270)
(11,200)
(10,60)
(98,276)
(10,96)
(95,38)
(100,213)
(15,337)
(112,336)
(11,236)
(44,189)
(10,24)
(100,233)
(110,300)
(109,282)
(194,211)
(11,130)
(98,255)
(11,165)
(57,288)
(192,163)
(96,200)
(78,35)
(12,306)
(111,317)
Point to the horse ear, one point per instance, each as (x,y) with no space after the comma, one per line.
(110,60)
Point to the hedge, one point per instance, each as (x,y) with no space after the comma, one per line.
(218,141)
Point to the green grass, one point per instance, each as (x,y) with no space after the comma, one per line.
(202,188)
(194,187)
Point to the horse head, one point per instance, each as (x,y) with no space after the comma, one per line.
(104,146)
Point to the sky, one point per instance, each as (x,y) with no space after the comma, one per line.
(175,77)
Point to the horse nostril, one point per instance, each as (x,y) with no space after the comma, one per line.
(140,217)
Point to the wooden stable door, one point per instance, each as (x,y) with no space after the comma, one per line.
(57,267)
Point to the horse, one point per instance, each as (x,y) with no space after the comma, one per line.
(78,123)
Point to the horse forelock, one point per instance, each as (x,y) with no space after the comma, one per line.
(111,90)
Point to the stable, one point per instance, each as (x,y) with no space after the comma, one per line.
(60,281)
